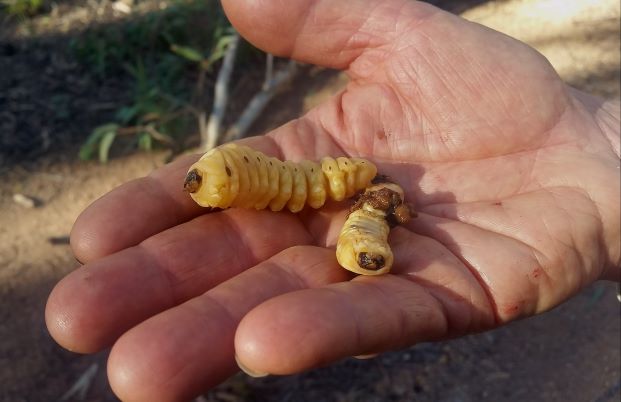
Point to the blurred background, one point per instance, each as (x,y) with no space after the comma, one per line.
(94,93)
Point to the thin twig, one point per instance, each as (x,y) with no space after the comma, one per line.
(158,136)
(81,386)
(179,102)
(259,101)
(210,137)
(202,129)
(269,71)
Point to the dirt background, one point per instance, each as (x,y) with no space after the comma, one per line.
(47,109)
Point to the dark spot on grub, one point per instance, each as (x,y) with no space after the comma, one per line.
(228,171)
(192,181)
(371,261)
(246,159)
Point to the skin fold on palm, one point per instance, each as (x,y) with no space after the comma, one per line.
(515,177)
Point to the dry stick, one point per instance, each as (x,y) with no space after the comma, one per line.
(210,135)
(258,103)
(81,386)
(269,71)
(133,130)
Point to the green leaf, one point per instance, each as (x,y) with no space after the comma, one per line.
(145,142)
(89,147)
(219,50)
(187,53)
(104,145)
(126,114)
(23,8)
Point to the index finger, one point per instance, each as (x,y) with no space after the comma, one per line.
(134,211)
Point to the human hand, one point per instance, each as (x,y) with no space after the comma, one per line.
(514,175)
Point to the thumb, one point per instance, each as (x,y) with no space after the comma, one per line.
(323,32)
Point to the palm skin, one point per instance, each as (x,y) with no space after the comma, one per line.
(514,176)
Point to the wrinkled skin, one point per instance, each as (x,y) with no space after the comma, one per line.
(515,177)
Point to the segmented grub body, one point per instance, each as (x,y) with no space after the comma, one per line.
(238,176)
(362,245)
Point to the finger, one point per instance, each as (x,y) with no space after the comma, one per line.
(424,260)
(180,353)
(328,33)
(314,327)
(95,304)
(134,211)
(436,275)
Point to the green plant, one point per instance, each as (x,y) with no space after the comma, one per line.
(192,23)
(152,116)
(173,53)
(100,139)
(22,8)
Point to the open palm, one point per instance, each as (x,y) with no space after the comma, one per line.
(513,176)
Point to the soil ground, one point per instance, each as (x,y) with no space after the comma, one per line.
(569,354)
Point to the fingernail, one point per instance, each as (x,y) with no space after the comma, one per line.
(367,356)
(248,371)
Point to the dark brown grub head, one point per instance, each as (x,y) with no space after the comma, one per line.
(371,261)
(192,181)
(383,199)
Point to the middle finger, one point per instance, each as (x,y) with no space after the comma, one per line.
(185,350)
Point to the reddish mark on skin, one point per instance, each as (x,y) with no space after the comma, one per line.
(537,272)
(499,203)
(511,309)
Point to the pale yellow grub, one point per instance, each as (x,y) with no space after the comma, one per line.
(362,246)
(238,176)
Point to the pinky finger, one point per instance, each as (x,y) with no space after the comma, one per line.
(314,327)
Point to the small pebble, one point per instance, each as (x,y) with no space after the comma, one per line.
(24,200)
